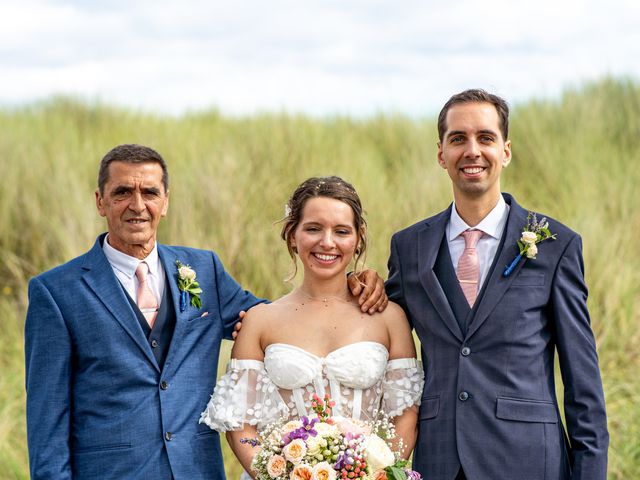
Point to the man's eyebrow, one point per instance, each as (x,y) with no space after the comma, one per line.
(488,131)
(122,189)
(455,132)
(485,131)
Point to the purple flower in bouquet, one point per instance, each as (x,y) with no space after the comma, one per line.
(344,459)
(309,424)
(303,432)
(413,475)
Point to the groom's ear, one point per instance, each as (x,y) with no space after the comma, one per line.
(440,159)
(506,159)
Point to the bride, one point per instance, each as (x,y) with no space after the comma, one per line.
(316,339)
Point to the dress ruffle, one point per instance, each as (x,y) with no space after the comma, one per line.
(402,385)
(244,395)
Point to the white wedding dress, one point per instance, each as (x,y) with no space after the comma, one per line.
(359,377)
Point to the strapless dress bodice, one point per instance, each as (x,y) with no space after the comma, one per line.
(357,365)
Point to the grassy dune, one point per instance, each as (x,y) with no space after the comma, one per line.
(576,158)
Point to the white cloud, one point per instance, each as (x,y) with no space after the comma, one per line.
(354,57)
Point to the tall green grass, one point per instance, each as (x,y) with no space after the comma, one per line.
(576,159)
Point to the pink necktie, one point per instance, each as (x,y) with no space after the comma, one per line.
(469,266)
(147,301)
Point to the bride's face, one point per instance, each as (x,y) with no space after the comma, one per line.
(326,237)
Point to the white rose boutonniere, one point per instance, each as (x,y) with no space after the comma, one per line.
(533,233)
(188,286)
(186,272)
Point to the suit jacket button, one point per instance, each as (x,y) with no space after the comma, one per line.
(464,396)
(168,436)
(154,343)
(465,351)
(164,385)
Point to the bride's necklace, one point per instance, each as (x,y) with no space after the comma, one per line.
(325,299)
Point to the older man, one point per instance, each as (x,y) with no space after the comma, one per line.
(121,355)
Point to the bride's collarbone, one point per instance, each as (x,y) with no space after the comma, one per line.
(322,329)
(326,336)
(325,323)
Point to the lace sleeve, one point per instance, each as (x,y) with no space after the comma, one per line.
(244,395)
(402,385)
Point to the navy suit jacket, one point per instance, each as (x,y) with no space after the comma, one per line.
(489,403)
(97,402)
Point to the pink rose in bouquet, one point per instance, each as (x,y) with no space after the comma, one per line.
(353,426)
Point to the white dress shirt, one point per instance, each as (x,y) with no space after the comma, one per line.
(124,266)
(493,227)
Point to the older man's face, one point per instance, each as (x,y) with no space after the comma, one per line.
(133,202)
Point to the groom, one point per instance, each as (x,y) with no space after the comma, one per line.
(118,369)
(489,337)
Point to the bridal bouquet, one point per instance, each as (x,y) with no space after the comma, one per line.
(328,448)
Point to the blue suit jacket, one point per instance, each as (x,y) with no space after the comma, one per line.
(95,407)
(491,408)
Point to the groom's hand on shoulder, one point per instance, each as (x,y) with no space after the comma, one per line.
(369,287)
(238,325)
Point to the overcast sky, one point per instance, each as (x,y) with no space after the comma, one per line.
(318,57)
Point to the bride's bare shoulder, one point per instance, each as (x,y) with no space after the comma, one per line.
(265,312)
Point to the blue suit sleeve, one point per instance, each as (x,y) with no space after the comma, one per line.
(232,298)
(48,357)
(394,285)
(583,395)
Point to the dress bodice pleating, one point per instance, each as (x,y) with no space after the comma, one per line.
(359,377)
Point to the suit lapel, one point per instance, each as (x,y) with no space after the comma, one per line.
(497,284)
(100,278)
(429,240)
(168,259)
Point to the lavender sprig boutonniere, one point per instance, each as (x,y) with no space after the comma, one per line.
(533,233)
(188,286)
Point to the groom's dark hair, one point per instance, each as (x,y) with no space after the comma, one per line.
(479,96)
(131,153)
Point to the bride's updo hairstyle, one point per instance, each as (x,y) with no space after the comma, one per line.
(330,187)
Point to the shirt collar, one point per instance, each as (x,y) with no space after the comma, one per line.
(128,264)
(493,224)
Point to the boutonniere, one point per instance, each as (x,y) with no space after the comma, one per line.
(533,233)
(188,286)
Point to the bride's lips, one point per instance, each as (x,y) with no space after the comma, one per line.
(325,258)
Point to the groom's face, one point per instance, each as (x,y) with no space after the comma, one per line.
(473,151)
(133,202)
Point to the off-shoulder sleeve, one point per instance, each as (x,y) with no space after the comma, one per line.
(402,385)
(244,395)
